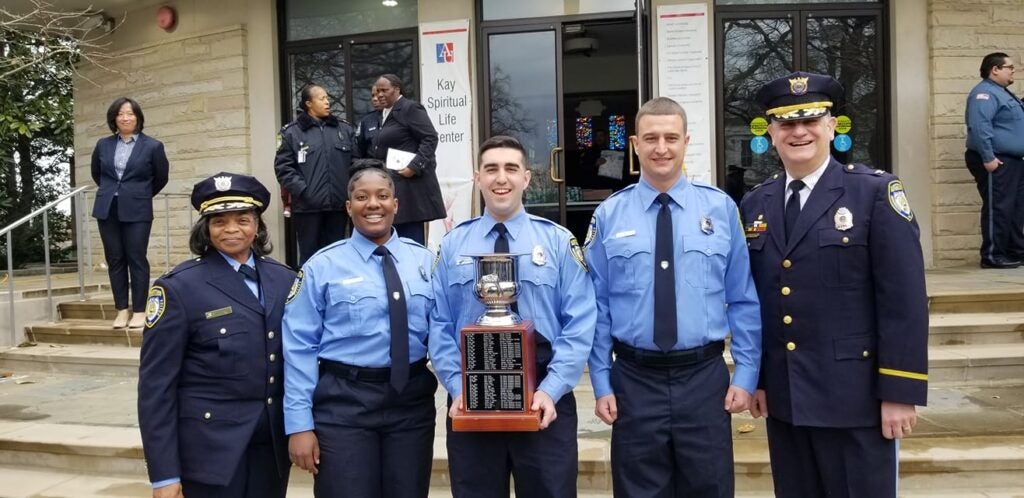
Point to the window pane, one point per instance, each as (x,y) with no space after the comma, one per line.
(325,68)
(508,9)
(847,48)
(369,61)
(756,51)
(307,19)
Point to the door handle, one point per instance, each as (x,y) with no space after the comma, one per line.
(551,168)
(632,171)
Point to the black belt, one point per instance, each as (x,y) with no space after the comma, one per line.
(367,374)
(671,359)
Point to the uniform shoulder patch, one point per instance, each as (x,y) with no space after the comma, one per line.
(577,253)
(156,304)
(898,200)
(296,287)
(591,232)
(981,96)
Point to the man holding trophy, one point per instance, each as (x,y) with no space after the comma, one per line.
(555,300)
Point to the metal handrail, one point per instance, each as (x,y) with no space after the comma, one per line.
(83,232)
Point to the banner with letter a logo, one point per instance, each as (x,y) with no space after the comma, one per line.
(446,93)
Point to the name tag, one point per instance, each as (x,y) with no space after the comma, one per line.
(353,280)
(464,261)
(218,312)
(625,233)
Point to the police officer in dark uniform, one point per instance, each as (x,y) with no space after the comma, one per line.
(370,124)
(359,399)
(312,163)
(210,373)
(836,258)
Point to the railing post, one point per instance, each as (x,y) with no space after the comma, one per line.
(46,264)
(80,256)
(10,285)
(88,239)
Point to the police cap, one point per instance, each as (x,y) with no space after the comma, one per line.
(799,96)
(225,192)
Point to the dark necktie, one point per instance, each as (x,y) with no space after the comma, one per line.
(793,206)
(250,273)
(399,318)
(665,331)
(501,246)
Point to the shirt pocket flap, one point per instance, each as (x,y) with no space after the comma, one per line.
(626,247)
(210,330)
(859,347)
(856,236)
(354,293)
(539,274)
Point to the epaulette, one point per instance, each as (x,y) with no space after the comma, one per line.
(328,247)
(462,223)
(273,261)
(546,221)
(289,125)
(768,181)
(184,266)
(863,169)
(708,186)
(625,189)
(411,242)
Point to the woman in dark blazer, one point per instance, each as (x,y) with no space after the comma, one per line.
(130,168)
(407,127)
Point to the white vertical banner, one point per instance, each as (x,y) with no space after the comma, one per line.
(684,75)
(445,92)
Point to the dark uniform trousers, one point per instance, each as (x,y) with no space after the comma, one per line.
(544,464)
(374,442)
(315,230)
(1002,206)
(811,462)
(672,437)
(256,475)
(124,247)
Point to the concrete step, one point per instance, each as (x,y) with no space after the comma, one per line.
(978,300)
(82,331)
(72,359)
(976,364)
(92,309)
(949,329)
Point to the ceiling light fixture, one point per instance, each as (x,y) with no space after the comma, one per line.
(390,3)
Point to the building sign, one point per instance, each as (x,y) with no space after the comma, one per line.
(683,75)
(446,93)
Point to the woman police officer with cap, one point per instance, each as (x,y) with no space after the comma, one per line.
(211,369)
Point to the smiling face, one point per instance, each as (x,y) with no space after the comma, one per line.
(318,105)
(660,143)
(233,233)
(803,145)
(126,121)
(372,206)
(502,178)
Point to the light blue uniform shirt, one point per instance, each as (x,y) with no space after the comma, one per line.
(340,313)
(995,121)
(556,295)
(715,292)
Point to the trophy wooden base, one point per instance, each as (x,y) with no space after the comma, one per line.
(496,422)
(498,379)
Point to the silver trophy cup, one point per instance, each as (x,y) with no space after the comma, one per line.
(497,287)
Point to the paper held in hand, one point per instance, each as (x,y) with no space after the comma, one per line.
(399,159)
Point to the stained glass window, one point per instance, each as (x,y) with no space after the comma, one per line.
(584,133)
(617,132)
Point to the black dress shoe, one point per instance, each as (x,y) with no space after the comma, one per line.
(999,263)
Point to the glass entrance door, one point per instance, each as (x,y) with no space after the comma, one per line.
(758,47)
(568,91)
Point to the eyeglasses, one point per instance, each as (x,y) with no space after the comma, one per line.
(1008,66)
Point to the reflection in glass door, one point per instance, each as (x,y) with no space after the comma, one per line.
(757,47)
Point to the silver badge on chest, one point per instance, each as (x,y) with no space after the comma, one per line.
(538,256)
(843,219)
(706,226)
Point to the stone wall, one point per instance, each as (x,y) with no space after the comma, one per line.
(960,35)
(194,94)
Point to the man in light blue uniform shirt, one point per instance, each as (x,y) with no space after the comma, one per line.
(363,425)
(995,157)
(672,278)
(556,294)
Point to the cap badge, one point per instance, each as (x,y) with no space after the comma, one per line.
(798,85)
(222,183)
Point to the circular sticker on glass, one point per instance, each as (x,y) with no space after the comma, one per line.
(843,124)
(843,143)
(758,126)
(759,145)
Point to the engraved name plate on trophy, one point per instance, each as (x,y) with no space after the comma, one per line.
(498,364)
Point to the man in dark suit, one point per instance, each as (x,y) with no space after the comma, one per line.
(407,127)
(211,370)
(130,168)
(836,257)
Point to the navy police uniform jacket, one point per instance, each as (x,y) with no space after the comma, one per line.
(211,363)
(145,175)
(313,161)
(843,304)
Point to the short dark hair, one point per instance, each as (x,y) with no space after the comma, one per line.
(661,106)
(199,238)
(502,142)
(359,173)
(116,107)
(305,94)
(990,61)
(394,80)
